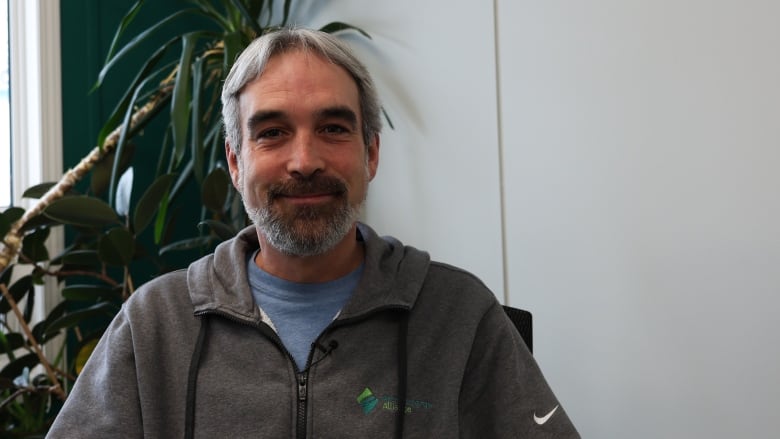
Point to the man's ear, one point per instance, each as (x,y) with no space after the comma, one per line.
(372,158)
(232,159)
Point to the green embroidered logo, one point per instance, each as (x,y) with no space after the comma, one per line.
(367,400)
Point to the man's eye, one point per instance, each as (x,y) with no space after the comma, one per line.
(271,133)
(334,129)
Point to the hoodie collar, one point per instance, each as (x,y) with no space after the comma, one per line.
(393,275)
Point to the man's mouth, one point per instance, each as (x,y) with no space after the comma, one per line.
(313,191)
(313,198)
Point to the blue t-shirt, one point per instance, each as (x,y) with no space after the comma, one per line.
(300,311)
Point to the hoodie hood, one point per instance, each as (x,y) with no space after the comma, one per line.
(393,275)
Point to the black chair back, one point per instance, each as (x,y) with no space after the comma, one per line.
(523,321)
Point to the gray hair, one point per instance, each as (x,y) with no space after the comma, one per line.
(252,61)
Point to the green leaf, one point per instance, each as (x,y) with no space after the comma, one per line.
(8,218)
(215,189)
(337,26)
(88,258)
(183,178)
(18,290)
(150,202)
(117,247)
(196,138)
(256,8)
(123,136)
(12,214)
(39,331)
(180,106)
(34,245)
(124,192)
(10,342)
(38,221)
(6,276)
(29,305)
(248,18)
(16,367)
(126,20)
(222,230)
(86,292)
(39,190)
(164,153)
(234,44)
(132,91)
(159,223)
(84,353)
(286,16)
(186,244)
(211,12)
(138,40)
(214,137)
(81,211)
(72,319)
(5,226)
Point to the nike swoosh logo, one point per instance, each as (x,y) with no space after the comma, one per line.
(545,418)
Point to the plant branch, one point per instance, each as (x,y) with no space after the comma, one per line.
(56,388)
(12,242)
(103,276)
(100,276)
(13,396)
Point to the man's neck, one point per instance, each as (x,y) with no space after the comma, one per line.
(337,262)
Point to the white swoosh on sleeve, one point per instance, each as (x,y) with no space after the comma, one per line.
(545,418)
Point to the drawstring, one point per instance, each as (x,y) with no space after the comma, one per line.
(403,329)
(192,378)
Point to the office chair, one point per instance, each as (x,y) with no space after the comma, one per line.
(523,321)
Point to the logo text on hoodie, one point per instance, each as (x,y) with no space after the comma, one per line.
(369,402)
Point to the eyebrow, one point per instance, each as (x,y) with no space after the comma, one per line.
(262,116)
(339,112)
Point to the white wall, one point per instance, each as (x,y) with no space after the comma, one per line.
(641,141)
(638,147)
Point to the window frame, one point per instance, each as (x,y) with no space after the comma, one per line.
(36,114)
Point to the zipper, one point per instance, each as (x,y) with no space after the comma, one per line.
(302,396)
(302,378)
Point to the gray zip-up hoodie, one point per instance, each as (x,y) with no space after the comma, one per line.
(191,355)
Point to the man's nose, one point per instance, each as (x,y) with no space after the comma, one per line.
(305,158)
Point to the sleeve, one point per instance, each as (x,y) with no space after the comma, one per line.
(504,394)
(104,401)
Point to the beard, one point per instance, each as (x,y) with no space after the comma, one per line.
(310,229)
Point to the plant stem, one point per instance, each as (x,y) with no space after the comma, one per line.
(56,386)
(12,242)
(100,276)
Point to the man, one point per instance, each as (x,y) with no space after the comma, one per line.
(308,324)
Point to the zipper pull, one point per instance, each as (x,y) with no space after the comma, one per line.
(301,387)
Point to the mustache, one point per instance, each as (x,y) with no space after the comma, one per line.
(317,184)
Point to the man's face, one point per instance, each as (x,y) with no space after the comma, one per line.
(303,169)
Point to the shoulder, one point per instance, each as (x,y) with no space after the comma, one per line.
(458,284)
(162,294)
(454,295)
